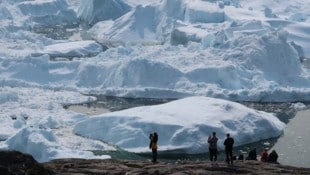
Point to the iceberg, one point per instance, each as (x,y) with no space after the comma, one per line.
(93,11)
(182,124)
(42,145)
(49,13)
(72,49)
(214,50)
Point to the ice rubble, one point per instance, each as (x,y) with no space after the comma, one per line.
(229,49)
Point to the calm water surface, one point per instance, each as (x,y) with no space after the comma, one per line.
(294,146)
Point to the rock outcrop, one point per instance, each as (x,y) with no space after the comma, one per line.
(130,167)
(16,163)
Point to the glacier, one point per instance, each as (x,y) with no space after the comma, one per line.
(52,52)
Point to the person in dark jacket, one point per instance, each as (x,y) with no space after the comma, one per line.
(153,146)
(229,142)
(212,140)
(252,155)
(273,157)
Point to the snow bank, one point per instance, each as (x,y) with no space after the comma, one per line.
(182,124)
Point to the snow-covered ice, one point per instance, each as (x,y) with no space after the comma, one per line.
(183,124)
(53,51)
(72,49)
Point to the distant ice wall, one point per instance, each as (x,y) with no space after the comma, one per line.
(48,13)
(93,11)
(204,12)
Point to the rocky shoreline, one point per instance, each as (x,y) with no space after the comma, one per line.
(119,167)
(16,163)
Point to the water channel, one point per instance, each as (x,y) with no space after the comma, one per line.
(294,146)
(295,133)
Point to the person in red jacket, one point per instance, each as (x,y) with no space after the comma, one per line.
(264,155)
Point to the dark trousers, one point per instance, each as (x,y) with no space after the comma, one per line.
(154,154)
(213,154)
(229,156)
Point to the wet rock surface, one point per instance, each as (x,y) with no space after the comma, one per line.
(16,163)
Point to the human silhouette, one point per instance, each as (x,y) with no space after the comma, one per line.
(252,155)
(212,140)
(273,157)
(264,155)
(229,142)
(153,146)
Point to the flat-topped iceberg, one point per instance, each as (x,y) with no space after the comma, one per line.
(72,49)
(182,124)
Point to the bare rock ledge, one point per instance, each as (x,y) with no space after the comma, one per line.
(16,163)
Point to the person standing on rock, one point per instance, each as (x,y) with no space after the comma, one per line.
(228,143)
(212,140)
(153,146)
(264,155)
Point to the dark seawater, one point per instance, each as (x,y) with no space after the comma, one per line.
(104,104)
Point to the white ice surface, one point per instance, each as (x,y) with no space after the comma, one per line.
(183,124)
(72,49)
(234,49)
